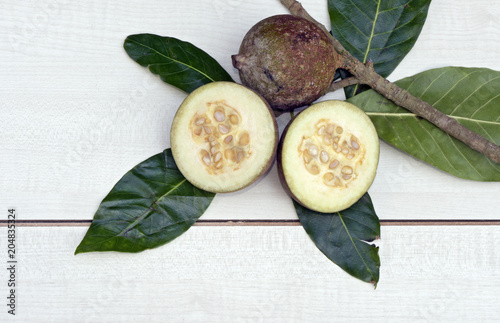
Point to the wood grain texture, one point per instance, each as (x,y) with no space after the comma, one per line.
(77,113)
(257,223)
(257,274)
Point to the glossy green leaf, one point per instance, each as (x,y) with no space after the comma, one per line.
(382,31)
(343,237)
(150,205)
(178,63)
(469,95)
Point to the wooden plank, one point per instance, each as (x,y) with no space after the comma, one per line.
(77,113)
(257,274)
(256,223)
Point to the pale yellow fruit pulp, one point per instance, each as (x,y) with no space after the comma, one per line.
(329,156)
(223,137)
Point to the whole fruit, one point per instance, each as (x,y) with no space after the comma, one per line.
(223,137)
(328,156)
(288,60)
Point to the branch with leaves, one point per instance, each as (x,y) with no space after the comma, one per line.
(365,74)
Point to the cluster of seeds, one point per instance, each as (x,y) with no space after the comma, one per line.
(332,153)
(222,142)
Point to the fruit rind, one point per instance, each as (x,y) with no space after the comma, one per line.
(307,187)
(256,118)
(288,60)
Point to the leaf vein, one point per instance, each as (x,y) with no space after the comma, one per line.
(412,115)
(465,158)
(397,133)
(352,23)
(142,216)
(484,104)
(359,9)
(439,147)
(355,246)
(454,85)
(495,165)
(176,61)
(430,84)
(372,32)
(417,139)
(393,8)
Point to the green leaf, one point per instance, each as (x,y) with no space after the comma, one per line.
(342,237)
(382,31)
(178,63)
(150,205)
(469,95)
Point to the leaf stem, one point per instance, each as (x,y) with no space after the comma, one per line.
(365,74)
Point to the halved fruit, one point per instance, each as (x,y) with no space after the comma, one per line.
(224,137)
(328,156)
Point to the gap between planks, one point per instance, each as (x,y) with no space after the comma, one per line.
(238,223)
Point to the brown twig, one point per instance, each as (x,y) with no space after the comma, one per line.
(343,83)
(365,74)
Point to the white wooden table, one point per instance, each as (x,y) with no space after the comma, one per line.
(77,113)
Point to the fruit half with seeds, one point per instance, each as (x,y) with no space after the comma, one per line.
(223,137)
(328,156)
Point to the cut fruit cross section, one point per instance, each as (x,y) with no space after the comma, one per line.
(224,137)
(328,156)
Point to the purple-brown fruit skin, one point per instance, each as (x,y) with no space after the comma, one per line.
(288,60)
